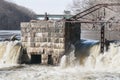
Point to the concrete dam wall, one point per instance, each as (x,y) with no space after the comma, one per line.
(47,41)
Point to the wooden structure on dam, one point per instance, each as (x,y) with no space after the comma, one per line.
(47,40)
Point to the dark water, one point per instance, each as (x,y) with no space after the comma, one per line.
(7,34)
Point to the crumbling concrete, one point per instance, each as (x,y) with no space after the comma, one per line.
(50,39)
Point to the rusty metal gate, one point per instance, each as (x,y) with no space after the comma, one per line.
(101,13)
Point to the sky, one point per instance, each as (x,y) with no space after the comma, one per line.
(42,6)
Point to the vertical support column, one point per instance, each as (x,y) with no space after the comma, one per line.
(80,30)
(102,37)
(104,13)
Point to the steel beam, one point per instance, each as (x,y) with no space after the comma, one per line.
(102,37)
(92,9)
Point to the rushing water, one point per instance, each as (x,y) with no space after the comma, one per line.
(84,62)
(10,53)
(93,65)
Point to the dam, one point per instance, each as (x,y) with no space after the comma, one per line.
(46,41)
(60,42)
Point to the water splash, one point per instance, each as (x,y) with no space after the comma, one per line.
(92,59)
(10,52)
(96,66)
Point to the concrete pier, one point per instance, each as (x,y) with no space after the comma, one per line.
(48,39)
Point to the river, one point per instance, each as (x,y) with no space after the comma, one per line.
(84,62)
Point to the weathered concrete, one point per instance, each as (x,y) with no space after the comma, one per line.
(51,39)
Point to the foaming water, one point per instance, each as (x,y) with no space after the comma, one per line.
(107,61)
(10,52)
(84,62)
(37,72)
(92,59)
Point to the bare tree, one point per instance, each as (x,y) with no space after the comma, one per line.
(80,5)
(77,6)
(110,13)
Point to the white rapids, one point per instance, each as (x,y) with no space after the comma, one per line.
(10,53)
(95,66)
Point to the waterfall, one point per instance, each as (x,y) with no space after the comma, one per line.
(10,52)
(87,55)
